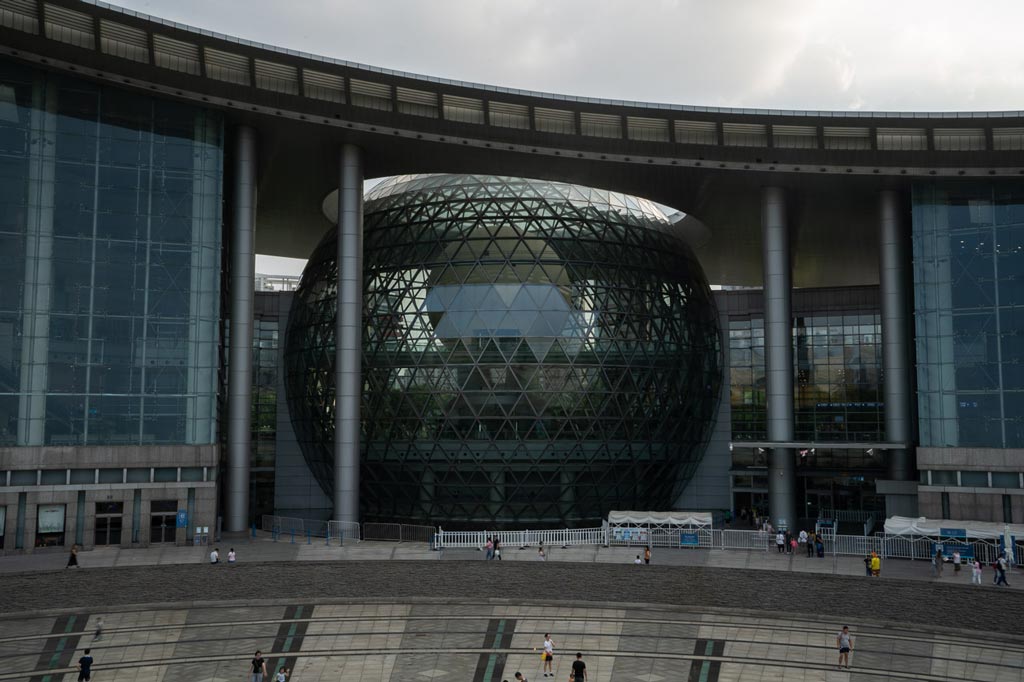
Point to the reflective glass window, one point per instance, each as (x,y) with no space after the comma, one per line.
(125,194)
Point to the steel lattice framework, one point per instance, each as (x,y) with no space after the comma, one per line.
(534,353)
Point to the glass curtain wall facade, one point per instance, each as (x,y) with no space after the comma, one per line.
(109,265)
(968,245)
(534,353)
(837,365)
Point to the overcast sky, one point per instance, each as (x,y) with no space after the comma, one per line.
(797,54)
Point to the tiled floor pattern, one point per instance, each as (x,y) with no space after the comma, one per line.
(486,642)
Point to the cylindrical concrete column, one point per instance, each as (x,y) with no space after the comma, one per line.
(243,284)
(893,274)
(348,351)
(778,352)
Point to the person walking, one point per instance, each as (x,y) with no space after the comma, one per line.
(490,549)
(867,565)
(579,669)
(938,561)
(497,548)
(956,562)
(1002,565)
(96,636)
(232,557)
(802,538)
(789,542)
(73,557)
(976,572)
(549,655)
(876,565)
(811,539)
(541,556)
(780,542)
(258,667)
(85,667)
(845,643)
(647,555)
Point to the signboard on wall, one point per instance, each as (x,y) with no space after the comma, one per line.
(50,518)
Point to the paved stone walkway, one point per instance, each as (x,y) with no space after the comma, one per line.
(459,640)
(774,592)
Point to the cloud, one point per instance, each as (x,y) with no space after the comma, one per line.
(800,54)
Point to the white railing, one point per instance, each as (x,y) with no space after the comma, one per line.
(746,539)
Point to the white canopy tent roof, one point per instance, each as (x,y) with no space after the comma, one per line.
(648,518)
(906,525)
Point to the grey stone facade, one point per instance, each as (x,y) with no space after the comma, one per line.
(135,476)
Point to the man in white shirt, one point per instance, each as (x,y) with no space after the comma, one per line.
(214,556)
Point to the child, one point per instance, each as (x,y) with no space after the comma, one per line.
(282,675)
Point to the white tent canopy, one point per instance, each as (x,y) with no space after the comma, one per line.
(649,518)
(905,525)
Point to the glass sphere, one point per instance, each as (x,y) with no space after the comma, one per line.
(534,354)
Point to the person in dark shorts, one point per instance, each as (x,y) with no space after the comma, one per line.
(845,643)
(579,669)
(85,667)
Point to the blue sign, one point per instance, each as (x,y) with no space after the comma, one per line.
(947,549)
(825,523)
(689,540)
(182,520)
(953,532)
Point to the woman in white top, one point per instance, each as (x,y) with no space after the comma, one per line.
(780,542)
(231,556)
(549,655)
(976,572)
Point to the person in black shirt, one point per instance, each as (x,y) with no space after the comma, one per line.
(85,667)
(579,669)
(259,668)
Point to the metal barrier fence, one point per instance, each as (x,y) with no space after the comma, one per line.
(745,539)
(398,532)
(559,537)
(887,546)
(852,515)
(291,525)
(382,531)
(344,530)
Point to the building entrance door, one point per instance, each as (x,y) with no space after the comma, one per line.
(163,520)
(109,519)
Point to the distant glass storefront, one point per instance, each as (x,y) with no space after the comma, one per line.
(109,265)
(837,397)
(837,364)
(968,241)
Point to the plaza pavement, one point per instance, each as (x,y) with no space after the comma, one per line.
(363,614)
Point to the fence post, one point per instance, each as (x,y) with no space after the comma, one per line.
(293,536)
(309,536)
